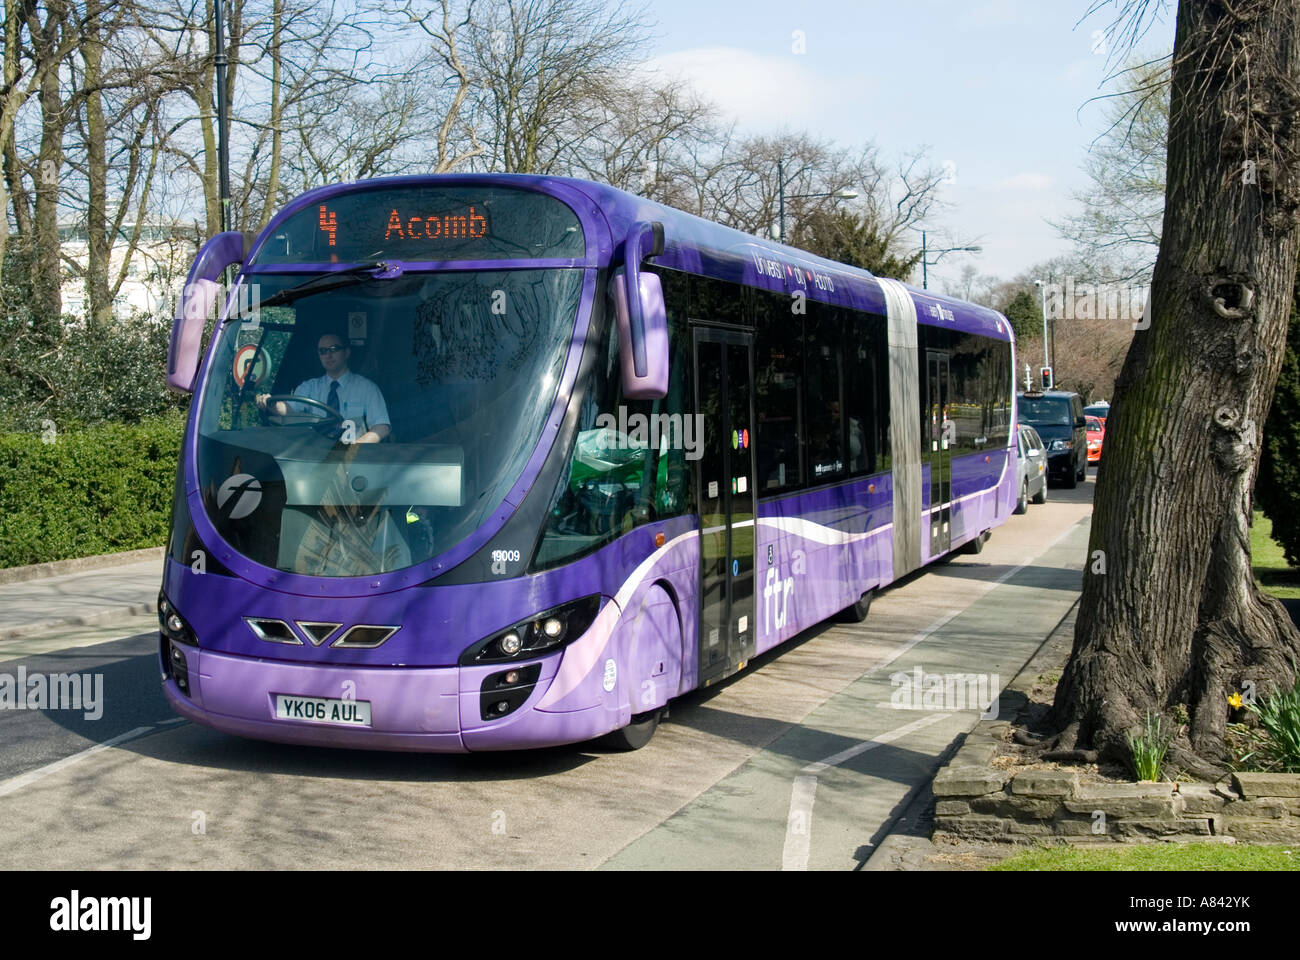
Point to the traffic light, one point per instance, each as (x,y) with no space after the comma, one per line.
(1046,373)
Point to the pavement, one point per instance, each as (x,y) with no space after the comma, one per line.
(41,604)
(907,845)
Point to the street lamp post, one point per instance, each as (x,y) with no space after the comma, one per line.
(844,193)
(926,261)
(220,61)
(1047,359)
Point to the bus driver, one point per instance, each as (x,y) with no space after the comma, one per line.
(349,394)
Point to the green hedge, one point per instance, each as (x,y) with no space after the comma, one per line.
(94,490)
(1277,484)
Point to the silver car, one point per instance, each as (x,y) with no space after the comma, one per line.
(1033,468)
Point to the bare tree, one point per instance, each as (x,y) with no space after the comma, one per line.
(115,152)
(634,137)
(536,64)
(1117,229)
(741,187)
(457,139)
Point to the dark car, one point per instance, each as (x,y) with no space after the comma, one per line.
(1100,410)
(1058,417)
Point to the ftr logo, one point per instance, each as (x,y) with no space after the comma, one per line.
(777,591)
(242,492)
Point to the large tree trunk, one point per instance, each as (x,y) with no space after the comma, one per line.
(1172,614)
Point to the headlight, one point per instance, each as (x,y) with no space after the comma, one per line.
(548,631)
(172,624)
(1060,445)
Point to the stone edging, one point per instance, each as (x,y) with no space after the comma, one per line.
(975,800)
(57,568)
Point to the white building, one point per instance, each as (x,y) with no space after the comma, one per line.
(154,275)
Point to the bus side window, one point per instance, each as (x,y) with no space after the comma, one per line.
(823,388)
(778,376)
(863,362)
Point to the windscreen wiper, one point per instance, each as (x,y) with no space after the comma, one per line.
(379,270)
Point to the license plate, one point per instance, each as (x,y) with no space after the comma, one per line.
(352,713)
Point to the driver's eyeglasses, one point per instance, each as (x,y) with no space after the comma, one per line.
(326,351)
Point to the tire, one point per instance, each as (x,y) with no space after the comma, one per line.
(977,545)
(857,611)
(1041,495)
(636,734)
(1022,505)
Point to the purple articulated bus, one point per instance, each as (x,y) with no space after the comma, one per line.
(484,462)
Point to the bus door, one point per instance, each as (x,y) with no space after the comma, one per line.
(940,434)
(726,494)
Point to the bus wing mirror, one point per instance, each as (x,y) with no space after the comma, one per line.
(187,333)
(642,317)
(196,303)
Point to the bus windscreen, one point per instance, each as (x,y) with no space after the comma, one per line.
(424,224)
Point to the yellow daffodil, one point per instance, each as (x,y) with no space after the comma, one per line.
(1234,701)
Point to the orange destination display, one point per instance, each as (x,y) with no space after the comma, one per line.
(427,224)
(451,226)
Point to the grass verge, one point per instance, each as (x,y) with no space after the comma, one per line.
(1269,562)
(1159,856)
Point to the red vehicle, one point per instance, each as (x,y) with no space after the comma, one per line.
(1096,434)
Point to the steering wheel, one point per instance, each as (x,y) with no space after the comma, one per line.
(267,412)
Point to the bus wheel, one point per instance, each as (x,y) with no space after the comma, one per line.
(977,545)
(857,611)
(636,734)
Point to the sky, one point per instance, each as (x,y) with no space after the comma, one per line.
(998,90)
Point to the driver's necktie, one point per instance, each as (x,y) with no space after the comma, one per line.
(333,400)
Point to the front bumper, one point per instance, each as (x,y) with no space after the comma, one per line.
(1061,464)
(433,709)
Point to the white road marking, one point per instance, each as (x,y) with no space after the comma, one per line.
(17,783)
(798,832)
(798,825)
